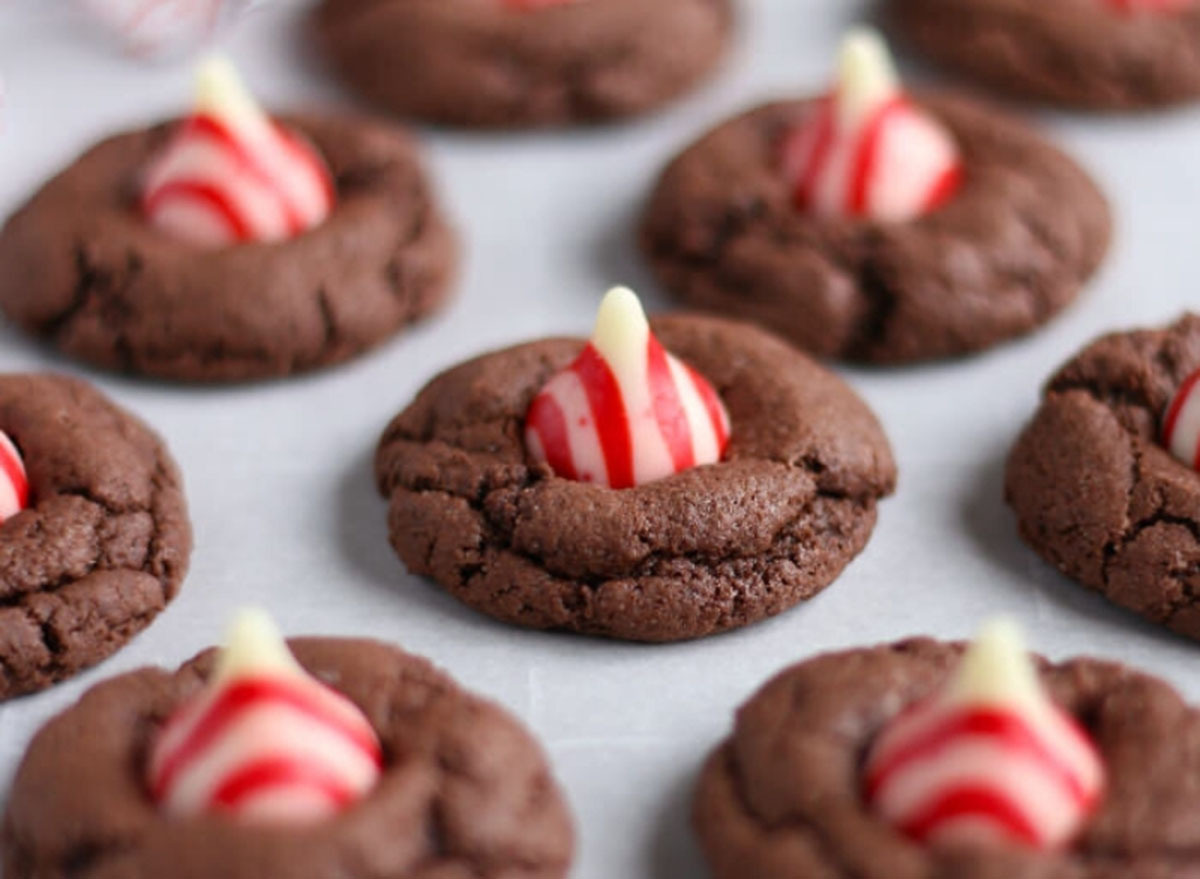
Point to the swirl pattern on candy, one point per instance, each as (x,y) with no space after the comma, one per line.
(990,760)
(265,742)
(232,175)
(866,150)
(1181,422)
(14,482)
(626,412)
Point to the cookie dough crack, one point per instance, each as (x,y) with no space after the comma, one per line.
(328,321)
(87,494)
(732,223)
(151,562)
(87,279)
(362,177)
(792,824)
(880,301)
(1113,398)
(654,560)
(502,533)
(85,857)
(443,850)
(20,599)
(154,564)
(1114,549)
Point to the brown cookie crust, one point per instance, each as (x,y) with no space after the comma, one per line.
(1008,252)
(106,542)
(781,798)
(465,790)
(1096,494)
(477,63)
(1076,53)
(709,549)
(81,269)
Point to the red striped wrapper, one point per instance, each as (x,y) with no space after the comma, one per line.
(996,774)
(14,481)
(894,164)
(277,748)
(213,187)
(628,415)
(1181,422)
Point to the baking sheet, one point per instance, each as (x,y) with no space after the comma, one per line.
(279,479)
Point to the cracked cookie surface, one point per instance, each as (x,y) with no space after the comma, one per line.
(81,269)
(782,796)
(1095,493)
(1078,53)
(105,542)
(465,790)
(479,63)
(1009,251)
(708,549)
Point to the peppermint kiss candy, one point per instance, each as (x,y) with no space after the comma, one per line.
(14,484)
(156,28)
(626,412)
(1181,423)
(232,175)
(992,760)
(264,742)
(866,150)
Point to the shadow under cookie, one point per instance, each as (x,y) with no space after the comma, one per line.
(105,542)
(81,269)
(486,64)
(1005,254)
(1091,54)
(465,790)
(705,550)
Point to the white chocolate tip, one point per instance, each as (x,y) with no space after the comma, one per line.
(220,93)
(254,644)
(996,668)
(621,325)
(866,74)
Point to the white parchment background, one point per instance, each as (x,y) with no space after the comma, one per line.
(279,478)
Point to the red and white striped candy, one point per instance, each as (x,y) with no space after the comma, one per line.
(265,742)
(231,175)
(626,412)
(1181,422)
(14,483)
(156,28)
(866,150)
(990,761)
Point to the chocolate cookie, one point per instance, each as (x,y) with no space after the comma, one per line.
(707,549)
(104,543)
(490,63)
(464,791)
(1081,53)
(783,796)
(1005,254)
(80,268)
(1096,494)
